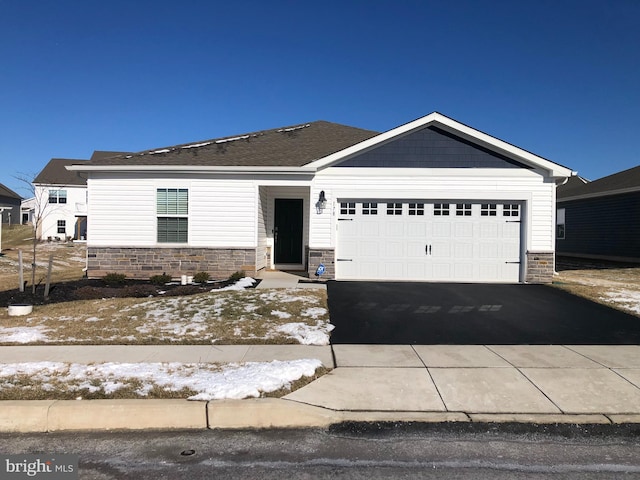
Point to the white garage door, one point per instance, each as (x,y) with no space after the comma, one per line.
(427,240)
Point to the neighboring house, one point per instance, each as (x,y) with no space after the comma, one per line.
(600,219)
(10,205)
(61,199)
(431,200)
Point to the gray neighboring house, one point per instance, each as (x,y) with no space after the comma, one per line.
(600,219)
(11,201)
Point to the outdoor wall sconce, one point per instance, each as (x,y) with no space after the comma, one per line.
(322,202)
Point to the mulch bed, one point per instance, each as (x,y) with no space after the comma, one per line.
(89,289)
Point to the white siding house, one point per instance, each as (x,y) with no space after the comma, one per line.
(431,200)
(60,202)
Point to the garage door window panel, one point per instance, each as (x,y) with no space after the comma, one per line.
(416,209)
(511,210)
(369,208)
(488,210)
(463,209)
(394,208)
(347,208)
(441,209)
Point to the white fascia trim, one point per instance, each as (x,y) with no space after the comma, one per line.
(453,126)
(599,194)
(306,170)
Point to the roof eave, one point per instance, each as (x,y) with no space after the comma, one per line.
(304,170)
(605,193)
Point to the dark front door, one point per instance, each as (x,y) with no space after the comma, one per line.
(287,231)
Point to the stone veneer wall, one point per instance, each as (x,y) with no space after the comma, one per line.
(143,263)
(540,267)
(326,256)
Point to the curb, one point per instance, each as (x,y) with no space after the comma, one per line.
(41,416)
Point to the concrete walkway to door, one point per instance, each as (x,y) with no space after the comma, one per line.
(279,279)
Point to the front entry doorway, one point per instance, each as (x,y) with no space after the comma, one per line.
(287,231)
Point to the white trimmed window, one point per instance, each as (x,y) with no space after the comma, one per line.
(173,215)
(62,226)
(560,224)
(57,196)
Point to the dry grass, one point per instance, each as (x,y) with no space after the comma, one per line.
(59,387)
(230,317)
(24,387)
(68,258)
(605,284)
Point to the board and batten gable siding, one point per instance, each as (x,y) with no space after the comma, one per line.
(525,186)
(605,226)
(123,211)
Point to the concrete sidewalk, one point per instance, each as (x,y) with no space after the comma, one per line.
(482,380)
(428,383)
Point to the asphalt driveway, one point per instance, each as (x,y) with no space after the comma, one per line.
(472,314)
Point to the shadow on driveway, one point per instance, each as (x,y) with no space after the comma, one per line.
(472,314)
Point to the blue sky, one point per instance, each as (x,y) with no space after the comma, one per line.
(558,78)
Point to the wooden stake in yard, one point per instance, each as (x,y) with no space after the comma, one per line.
(46,287)
(20,271)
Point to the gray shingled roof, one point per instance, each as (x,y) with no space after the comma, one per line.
(625,180)
(55,173)
(99,154)
(7,192)
(293,146)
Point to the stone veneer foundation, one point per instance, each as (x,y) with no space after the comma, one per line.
(540,267)
(326,256)
(145,262)
(221,262)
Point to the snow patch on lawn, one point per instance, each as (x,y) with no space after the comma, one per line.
(212,382)
(241,284)
(628,299)
(314,312)
(23,334)
(306,334)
